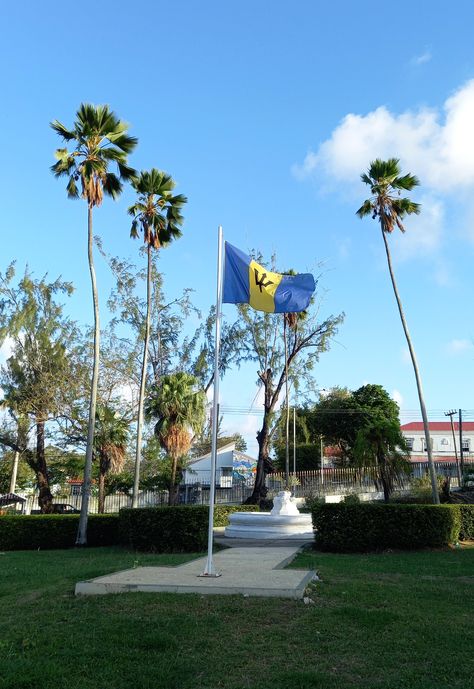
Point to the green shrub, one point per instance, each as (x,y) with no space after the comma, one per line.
(467,522)
(351,499)
(177,529)
(367,527)
(221,512)
(52,531)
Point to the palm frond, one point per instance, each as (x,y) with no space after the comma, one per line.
(63,131)
(365,209)
(112,185)
(72,190)
(407,182)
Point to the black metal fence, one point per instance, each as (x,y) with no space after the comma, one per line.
(329,481)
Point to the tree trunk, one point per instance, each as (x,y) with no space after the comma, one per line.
(141,399)
(14,473)
(434,483)
(86,487)
(102,472)
(264,464)
(45,499)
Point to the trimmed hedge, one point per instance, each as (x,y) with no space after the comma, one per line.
(467,521)
(177,529)
(157,529)
(221,512)
(52,531)
(368,527)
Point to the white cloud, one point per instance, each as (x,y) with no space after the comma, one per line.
(397,396)
(437,145)
(425,231)
(459,346)
(421,59)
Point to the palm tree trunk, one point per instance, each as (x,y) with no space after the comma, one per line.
(172,490)
(86,487)
(141,399)
(434,483)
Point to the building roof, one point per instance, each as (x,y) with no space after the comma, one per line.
(10,499)
(230,447)
(444,426)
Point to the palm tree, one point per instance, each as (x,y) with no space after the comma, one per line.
(99,139)
(180,410)
(386,184)
(110,442)
(157,213)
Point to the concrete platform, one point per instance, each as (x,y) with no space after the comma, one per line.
(255,571)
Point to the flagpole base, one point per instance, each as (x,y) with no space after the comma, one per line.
(210,575)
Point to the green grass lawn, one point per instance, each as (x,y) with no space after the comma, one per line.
(387,621)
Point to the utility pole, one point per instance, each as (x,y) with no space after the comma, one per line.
(451,414)
(460,443)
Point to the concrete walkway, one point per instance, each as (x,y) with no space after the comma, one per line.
(249,571)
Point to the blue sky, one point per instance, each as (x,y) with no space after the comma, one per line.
(265,113)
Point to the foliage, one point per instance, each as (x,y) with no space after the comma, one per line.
(308,456)
(165,529)
(50,531)
(420,489)
(340,415)
(222,512)
(386,203)
(99,139)
(232,345)
(262,343)
(365,527)
(110,442)
(179,408)
(467,522)
(381,444)
(37,380)
(25,477)
(157,213)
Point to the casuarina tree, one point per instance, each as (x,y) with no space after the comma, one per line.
(389,207)
(99,140)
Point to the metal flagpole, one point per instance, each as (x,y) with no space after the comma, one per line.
(294,440)
(210,570)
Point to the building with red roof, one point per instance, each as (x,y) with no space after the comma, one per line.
(441,439)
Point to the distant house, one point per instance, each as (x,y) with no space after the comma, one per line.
(441,440)
(232,467)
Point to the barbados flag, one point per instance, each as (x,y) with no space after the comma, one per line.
(247,282)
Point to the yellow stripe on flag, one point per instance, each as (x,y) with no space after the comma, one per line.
(263,285)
